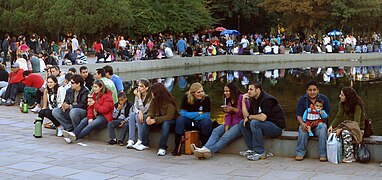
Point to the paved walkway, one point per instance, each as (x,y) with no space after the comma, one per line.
(24,157)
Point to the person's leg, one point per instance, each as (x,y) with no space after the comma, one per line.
(63,118)
(166,125)
(84,122)
(302,142)
(3,84)
(132,120)
(76,115)
(124,131)
(247,134)
(110,128)
(180,124)
(98,122)
(140,127)
(258,129)
(229,136)
(321,132)
(48,114)
(7,92)
(145,133)
(205,127)
(215,136)
(17,88)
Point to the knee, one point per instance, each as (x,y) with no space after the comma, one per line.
(109,124)
(254,124)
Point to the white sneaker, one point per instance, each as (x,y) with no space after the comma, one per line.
(138,142)
(130,144)
(140,147)
(68,140)
(59,131)
(161,152)
(69,135)
(36,109)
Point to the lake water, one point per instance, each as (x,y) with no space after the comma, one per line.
(287,85)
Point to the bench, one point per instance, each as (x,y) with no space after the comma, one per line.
(284,145)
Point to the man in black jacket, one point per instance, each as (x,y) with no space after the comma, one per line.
(74,108)
(88,77)
(264,117)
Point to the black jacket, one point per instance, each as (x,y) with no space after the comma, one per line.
(89,81)
(82,99)
(268,105)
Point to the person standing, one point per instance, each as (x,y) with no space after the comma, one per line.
(304,102)
(264,117)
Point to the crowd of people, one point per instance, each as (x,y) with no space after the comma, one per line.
(72,50)
(78,103)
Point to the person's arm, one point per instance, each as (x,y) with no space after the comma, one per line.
(305,114)
(45,99)
(106,105)
(61,93)
(83,101)
(339,117)
(323,114)
(358,114)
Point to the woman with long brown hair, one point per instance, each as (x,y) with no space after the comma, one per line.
(349,121)
(162,112)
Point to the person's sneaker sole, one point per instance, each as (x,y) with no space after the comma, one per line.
(299,158)
(202,155)
(65,133)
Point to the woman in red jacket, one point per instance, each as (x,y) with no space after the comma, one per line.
(100,112)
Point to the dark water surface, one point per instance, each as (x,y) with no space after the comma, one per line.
(287,85)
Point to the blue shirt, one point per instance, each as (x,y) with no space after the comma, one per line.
(117,82)
(181,45)
(304,103)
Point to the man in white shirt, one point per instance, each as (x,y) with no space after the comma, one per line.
(168,52)
(244,42)
(122,42)
(326,39)
(75,44)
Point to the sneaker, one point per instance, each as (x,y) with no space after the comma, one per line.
(2,101)
(348,160)
(202,153)
(120,142)
(193,147)
(112,142)
(140,147)
(246,153)
(311,134)
(299,158)
(255,157)
(138,142)
(161,152)
(323,159)
(59,131)
(36,109)
(10,103)
(130,144)
(68,140)
(69,135)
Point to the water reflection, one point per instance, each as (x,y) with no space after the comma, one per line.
(287,85)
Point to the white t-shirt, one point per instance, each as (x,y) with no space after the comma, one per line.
(122,43)
(275,49)
(168,52)
(23,63)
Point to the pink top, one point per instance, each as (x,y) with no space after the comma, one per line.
(231,119)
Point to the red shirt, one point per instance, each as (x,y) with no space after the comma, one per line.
(34,80)
(98,47)
(16,77)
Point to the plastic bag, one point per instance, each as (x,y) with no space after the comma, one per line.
(363,153)
(334,149)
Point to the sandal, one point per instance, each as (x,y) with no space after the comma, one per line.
(49,125)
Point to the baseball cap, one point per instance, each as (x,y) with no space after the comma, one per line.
(16,64)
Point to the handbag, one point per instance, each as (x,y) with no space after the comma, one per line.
(369,130)
(334,148)
(363,153)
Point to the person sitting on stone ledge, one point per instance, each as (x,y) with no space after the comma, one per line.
(16,84)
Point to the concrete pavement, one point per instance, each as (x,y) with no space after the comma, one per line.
(24,157)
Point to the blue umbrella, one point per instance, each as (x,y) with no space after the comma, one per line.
(230,32)
(334,33)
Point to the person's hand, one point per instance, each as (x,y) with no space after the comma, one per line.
(91,101)
(120,106)
(245,97)
(152,121)
(90,121)
(137,93)
(304,127)
(246,119)
(65,106)
(140,117)
(338,132)
(229,108)
(200,112)
(330,129)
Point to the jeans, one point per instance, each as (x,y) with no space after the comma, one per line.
(115,124)
(255,130)
(133,119)
(13,89)
(70,118)
(48,114)
(166,125)
(302,141)
(182,123)
(84,128)
(220,139)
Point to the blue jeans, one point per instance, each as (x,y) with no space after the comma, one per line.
(84,128)
(220,139)
(115,124)
(166,125)
(133,119)
(182,123)
(254,131)
(302,141)
(70,118)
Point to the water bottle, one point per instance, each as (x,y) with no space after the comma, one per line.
(25,107)
(38,128)
(21,105)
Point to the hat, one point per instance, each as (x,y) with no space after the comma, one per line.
(16,64)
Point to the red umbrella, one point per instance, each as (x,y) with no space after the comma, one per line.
(219,29)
